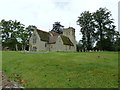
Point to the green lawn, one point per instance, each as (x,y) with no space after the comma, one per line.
(62,69)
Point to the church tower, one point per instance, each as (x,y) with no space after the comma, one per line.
(70,33)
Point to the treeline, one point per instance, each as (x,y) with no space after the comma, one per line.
(98,31)
(15,36)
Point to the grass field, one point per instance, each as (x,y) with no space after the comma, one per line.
(62,69)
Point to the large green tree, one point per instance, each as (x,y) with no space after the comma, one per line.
(10,30)
(14,34)
(85,21)
(105,28)
(24,36)
(99,28)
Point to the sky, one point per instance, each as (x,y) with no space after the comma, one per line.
(43,13)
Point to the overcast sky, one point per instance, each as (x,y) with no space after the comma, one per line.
(43,13)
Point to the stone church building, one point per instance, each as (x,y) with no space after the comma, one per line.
(52,41)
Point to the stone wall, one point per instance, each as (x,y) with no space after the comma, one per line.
(70,32)
(39,45)
(59,46)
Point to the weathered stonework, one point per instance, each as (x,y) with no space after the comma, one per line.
(51,41)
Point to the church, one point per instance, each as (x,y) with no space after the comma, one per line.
(52,41)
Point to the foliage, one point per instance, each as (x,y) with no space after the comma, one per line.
(10,33)
(85,21)
(57,27)
(116,44)
(14,34)
(98,29)
(79,46)
(63,69)
(104,27)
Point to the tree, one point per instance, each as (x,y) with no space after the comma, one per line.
(108,45)
(105,29)
(14,34)
(117,41)
(57,27)
(10,30)
(25,35)
(79,46)
(85,21)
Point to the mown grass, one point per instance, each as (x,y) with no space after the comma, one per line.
(62,69)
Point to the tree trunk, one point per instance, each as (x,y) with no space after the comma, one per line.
(16,47)
(101,37)
(24,47)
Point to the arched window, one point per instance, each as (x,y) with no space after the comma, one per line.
(34,40)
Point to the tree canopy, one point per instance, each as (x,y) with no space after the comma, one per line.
(57,27)
(87,29)
(14,34)
(98,30)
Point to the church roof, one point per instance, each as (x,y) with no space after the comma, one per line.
(54,33)
(51,39)
(44,36)
(66,40)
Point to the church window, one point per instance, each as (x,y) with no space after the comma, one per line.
(34,39)
(45,44)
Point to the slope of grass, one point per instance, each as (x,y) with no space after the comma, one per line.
(62,69)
